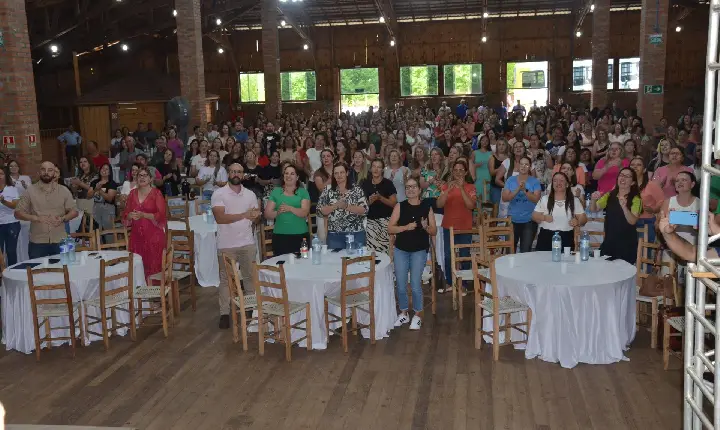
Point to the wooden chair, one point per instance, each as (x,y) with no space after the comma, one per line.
(87,224)
(161,289)
(312,221)
(460,275)
(85,241)
(676,323)
(43,309)
(117,239)
(266,236)
(498,238)
(183,259)
(178,209)
(113,298)
(594,244)
(201,206)
(240,302)
(644,266)
(491,305)
(280,308)
(353,298)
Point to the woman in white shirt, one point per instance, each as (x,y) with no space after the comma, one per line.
(9,226)
(576,189)
(618,135)
(211,176)
(558,211)
(198,161)
(218,146)
(22,182)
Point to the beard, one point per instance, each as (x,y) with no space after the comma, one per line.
(46,179)
(235,180)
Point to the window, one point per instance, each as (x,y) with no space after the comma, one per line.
(582,75)
(629,73)
(418,81)
(296,86)
(252,87)
(461,79)
(359,89)
(533,79)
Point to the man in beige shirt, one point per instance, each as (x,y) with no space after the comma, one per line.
(48,206)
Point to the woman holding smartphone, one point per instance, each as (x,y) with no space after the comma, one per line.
(684,201)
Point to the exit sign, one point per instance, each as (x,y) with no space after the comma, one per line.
(653,89)
(655,39)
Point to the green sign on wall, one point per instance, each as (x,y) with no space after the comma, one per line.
(653,89)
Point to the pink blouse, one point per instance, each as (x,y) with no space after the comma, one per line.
(666,179)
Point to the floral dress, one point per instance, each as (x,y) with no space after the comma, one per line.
(342,220)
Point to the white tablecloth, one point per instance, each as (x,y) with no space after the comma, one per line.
(309,283)
(24,236)
(586,315)
(206,260)
(18,331)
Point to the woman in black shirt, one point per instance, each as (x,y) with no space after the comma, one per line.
(413,224)
(170,174)
(382,197)
(103,191)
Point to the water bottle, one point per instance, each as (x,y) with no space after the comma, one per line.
(63,252)
(316,251)
(585,246)
(587,203)
(556,247)
(304,249)
(71,250)
(349,239)
(210,217)
(185,186)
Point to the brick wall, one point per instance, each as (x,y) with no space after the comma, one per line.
(190,57)
(18,107)
(654,19)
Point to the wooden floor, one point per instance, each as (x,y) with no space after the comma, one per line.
(433,379)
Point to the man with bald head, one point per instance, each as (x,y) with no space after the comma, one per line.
(47,206)
(236,209)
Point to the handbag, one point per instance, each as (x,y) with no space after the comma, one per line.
(655,285)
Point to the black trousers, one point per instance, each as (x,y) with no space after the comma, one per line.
(544,240)
(287,243)
(524,234)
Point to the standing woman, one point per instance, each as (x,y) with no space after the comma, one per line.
(663,156)
(651,194)
(9,225)
(359,168)
(81,184)
(570,156)
(211,176)
(177,147)
(630,149)
(170,174)
(458,199)
(559,210)
(665,176)
(145,212)
(252,173)
(418,162)
(322,179)
(288,150)
(522,192)
(193,150)
(684,201)
(622,208)
(22,182)
(576,189)
(608,167)
(602,144)
(224,134)
(430,179)
(381,197)
(271,175)
(236,155)
(345,207)
(103,191)
(397,173)
(289,206)
(480,168)
(198,161)
(218,146)
(413,224)
(499,155)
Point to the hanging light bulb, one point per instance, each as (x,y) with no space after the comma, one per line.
(484,39)
(282,23)
(392,42)
(578,33)
(54,49)
(220,50)
(306,47)
(592,7)
(678,29)
(174,12)
(382,19)
(218,21)
(485,14)
(124,47)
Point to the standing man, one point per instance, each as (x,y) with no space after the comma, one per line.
(235,209)
(127,156)
(518,108)
(461,110)
(72,140)
(271,140)
(48,207)
(240,133)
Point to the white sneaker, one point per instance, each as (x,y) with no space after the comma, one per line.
(415,323)
(402,319)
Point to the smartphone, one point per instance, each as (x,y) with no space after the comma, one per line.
(684,218)
(377,261)
(280,262)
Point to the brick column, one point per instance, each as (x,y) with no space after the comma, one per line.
(653,20)
(190,55)
(271,58)
(18,115)
(600,52)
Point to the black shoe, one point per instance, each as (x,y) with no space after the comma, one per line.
(224,321)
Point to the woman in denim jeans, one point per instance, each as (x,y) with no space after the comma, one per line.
(9,226)
(523,193)
(413,224)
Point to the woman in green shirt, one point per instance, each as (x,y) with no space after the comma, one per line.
(430,179)
(288,205)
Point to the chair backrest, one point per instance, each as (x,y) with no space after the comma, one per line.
(62,287)
(183,244)
(498,238)
(178,209)
(233,276)
(166,279)
(260,284)
(643,232)
(119,286)
(85,241)
(116,238)
(266,237)
(487,210)
(484,274)
(350,273)
(645,265)
(456,248)
(201,206)
(312,220)
(87,225)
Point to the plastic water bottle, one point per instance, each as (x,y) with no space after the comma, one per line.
(585,246)
(587,203)
(304,249)
(349,239)
(64,252)
(210,217)
(316,251)
(556,247)
(71,250)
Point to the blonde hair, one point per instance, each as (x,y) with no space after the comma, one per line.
(414,162)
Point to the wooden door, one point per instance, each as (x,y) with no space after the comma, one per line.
(95,125)
(130,114)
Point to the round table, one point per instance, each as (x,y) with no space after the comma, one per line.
(18,331)
(206,259)
(23,242)
(582,313)
(307,283)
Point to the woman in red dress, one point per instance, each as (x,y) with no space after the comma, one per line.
(145,213)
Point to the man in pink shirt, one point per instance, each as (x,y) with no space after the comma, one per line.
(235,209)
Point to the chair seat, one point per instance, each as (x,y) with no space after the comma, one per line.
(648,299)
(278,309)
(351,301)
(149,292)
(250,301)
(56,310)
(176,275)
(507,305)
(467,274)
(678,323)
(110,301)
